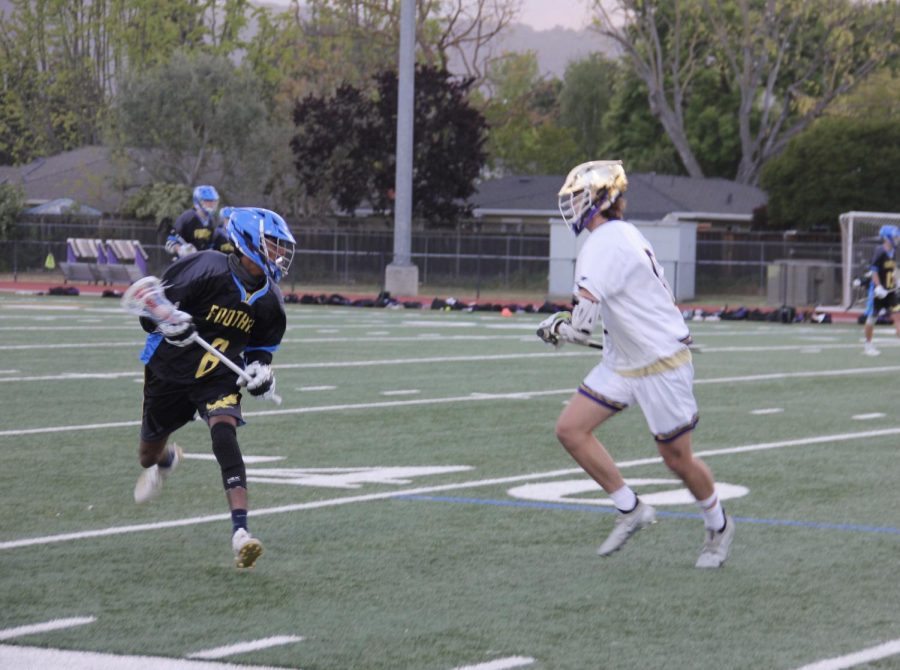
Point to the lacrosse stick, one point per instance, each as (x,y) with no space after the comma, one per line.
(548,336)
(145,297)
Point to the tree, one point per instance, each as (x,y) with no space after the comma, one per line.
(838,165)
(522,111)
(344,146)
(787,61)
(632,134)
(587,90)
(193,115)
(12,200)
(448,145)
(331,157)
(161,202)
(61,62)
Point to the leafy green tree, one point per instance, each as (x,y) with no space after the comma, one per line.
(159,201)
(12,201)
(61,62)
(838,165)
(632,134)
(194,115)
(344,146)
(587,91)
(785,62)
(522,111)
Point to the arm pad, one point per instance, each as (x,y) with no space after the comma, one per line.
(585,316)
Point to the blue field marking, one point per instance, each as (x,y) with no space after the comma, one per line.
(857,528)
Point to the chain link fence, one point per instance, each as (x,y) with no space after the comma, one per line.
(355,253)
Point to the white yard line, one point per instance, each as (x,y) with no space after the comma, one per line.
(500,664)
(472,397)
(385,495)
(244,647)
(39,658)
(47,626)
(885,650)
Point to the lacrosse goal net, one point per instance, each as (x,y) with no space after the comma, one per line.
(859,236)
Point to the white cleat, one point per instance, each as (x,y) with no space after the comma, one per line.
(870,350)
(717,546)
(149,484)
(627,525)
(246,548)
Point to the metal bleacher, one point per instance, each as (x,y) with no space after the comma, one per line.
(111,262)
(126,262)
(83,257)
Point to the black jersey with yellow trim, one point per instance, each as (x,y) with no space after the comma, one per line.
(884,264)
(243,323)
(190,228)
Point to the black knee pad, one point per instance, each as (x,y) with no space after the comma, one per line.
(228,454)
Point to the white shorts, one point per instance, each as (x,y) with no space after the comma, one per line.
(666,398)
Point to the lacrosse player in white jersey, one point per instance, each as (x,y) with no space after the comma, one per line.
(646,359)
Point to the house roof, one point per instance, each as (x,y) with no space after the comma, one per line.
(91,177)
(650,196)
(88,175)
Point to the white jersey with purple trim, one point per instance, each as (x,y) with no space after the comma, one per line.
(641,322)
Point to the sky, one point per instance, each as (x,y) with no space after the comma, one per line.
(545,14)
(539,14)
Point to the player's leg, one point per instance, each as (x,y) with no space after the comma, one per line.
(869,327)
(223,414)
(668,403)
(166,408)
(575,431)
(588,408)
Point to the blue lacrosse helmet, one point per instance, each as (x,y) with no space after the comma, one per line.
(206,200)
(264,237)
(889,233)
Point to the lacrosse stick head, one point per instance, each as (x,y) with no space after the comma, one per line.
(264,237)
(590,188)
(147,297)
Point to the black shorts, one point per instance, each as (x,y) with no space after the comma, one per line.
(168,406)
(888,303)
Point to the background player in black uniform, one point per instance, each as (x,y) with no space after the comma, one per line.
(882,290)
(197,229)
(233,302)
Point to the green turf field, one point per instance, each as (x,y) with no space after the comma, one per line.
(418,513)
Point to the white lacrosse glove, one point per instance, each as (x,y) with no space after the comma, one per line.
(880,292)
(186,249)
(262,380)
(178,328)
(549,329)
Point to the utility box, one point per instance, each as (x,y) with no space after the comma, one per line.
(674,244)
(803,283)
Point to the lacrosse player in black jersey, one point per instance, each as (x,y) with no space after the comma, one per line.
(882,295)
(197,229)
(232,302)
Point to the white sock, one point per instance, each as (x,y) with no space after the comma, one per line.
(713,514)
(624,499)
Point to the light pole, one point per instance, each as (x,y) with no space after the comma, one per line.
(401,277)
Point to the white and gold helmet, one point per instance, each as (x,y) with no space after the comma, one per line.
(590,188)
